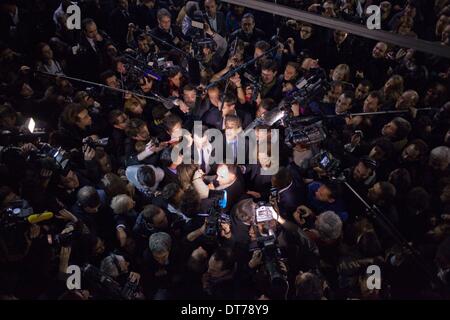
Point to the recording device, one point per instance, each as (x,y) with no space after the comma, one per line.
(15,221)
(50,158)
(215,214)
(103,142)
(61,240)
(328,163)
(105,287)
(298,131)
(311,85)
(266,240)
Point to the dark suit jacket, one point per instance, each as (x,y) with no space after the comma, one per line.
(166,36)
(118,24)
(89,61)
(221,24)
(290,199)
(213,118)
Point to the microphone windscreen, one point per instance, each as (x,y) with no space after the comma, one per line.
(36,218)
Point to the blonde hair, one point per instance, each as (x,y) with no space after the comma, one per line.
(345,69)
(131,103)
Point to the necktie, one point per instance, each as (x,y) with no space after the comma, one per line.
(202,159)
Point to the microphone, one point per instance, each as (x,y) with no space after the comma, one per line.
(249,77)
(148,73)
(36,218)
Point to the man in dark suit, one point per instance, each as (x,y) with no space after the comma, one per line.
(248,34)
(216,19)
(165,31)
(290,195)
(146,14)
(215,118)
(89,53)
(119,20)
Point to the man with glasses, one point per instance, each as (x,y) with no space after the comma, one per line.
(249,34)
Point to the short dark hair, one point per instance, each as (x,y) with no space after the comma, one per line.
(114,115)
(421,146)
(233,118)
(149,212)
(378,95)
(401,179)
(269,65)
(107,74)
(349,94)
(146,176)
(335,189)
(248,15)
(189,87)
(133,127)
(283,177)
(365,83)
(224,255)
(88,197)
(386,145)
(388,192)
(403,127)
(86,22)
(230,98)
(308,287)
(71,112)
(418,200)
(267,104)
(262,45)
(171,121)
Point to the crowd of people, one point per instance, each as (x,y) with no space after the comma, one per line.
(109,102)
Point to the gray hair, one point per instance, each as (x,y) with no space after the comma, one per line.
(160,242)
(329,225)
(119,204)
(441,154)
(109,266)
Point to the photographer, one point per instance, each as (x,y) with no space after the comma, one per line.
(118,268)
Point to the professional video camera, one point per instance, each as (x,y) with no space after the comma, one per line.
(266,240)
(51,158)
(215,214)
(105,287)
(305,131)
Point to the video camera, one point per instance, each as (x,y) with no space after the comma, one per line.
(266,240)
(215,214)
(328,163)
(51,158)
(304,132)
(103,142)
(105,287)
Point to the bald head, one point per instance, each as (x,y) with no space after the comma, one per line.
(379,51)
(409,99)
